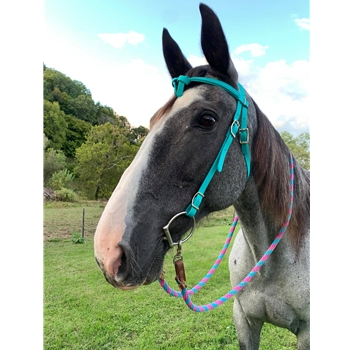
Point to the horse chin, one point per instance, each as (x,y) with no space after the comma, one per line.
(133,286)
(128,287)
(147,281)
(123,285)
(132,283)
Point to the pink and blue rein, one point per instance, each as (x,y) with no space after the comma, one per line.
(185,294)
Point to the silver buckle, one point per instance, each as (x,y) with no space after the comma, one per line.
(193,199)
(233,123)
(242,130)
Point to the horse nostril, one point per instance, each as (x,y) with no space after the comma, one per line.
(115,264)
(123,269)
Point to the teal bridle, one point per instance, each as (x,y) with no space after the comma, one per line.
(239,125)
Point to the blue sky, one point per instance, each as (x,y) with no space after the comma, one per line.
(114,48)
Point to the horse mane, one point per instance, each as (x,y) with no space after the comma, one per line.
(271,175)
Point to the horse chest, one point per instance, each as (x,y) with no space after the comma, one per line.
(277,295)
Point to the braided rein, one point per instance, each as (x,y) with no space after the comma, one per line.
(185,294)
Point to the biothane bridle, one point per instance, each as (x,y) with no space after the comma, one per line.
(239,125)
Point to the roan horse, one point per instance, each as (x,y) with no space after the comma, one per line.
(185,137)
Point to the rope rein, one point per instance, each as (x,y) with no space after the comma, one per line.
(185,294)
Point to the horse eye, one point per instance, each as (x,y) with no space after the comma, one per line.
(207,121)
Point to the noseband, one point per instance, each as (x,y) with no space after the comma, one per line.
(239,124)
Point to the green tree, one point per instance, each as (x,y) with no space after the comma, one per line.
(54,78)
(85,108)
(54,160)
(123,122)
(138,134)
(134,135)
(76,135)
(46,143)
(299,146)
(102,159)
(80,89)
(105,114)
(55,125)
(65,101)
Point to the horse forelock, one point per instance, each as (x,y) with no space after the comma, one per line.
(174,104)
(200,71)
(162,111)
(271,174)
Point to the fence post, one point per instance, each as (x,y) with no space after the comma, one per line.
(82,226)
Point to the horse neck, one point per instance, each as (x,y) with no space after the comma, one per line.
(258,225)
(263,205)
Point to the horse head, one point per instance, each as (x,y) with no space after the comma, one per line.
(185,137)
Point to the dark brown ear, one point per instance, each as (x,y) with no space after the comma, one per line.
(214,44)
(175,60)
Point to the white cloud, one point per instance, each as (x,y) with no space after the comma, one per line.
(280,89)
(137,89)
(196,61)
(243,66)
(302,23)
(254,49)
(118,40)
(282,92)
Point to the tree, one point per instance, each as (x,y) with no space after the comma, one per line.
(105,114)
(123,122)
(55,125)
(46,142)
(85,108)
(102,159)
(54,78)
(76,135)
(53,161)
(65,101)
(299,146)
(139,133)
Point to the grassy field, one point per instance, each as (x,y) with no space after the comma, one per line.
(82,311)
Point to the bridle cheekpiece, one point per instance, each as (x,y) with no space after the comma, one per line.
(239,124)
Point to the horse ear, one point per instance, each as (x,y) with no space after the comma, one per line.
(214,44)
(175,60)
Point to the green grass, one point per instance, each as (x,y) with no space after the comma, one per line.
(62,219)
(82,311)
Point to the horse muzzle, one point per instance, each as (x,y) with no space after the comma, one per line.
(118,271)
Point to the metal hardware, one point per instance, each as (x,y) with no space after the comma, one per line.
(234,122)
(193,199)
(168,235)
(243,130)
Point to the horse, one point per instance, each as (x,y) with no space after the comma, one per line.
(199,157)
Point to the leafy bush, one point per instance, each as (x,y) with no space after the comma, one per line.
(61,179)
(53,161)
(66,195)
